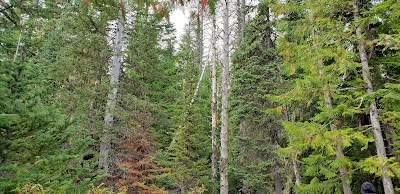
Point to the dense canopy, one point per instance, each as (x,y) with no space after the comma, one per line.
(272,96)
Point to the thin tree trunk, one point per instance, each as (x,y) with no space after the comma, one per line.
(105,145)
(198,85)
(199,48)
(278,182)
(373,111)
(214,105)
(286,118)
(18,44)
(344,173)
(36,4)
(240,12)
(390,134)
(200,35)
(225,92)
(268,32)
(296,172)
(242,18)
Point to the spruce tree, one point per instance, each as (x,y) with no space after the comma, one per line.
(257,132)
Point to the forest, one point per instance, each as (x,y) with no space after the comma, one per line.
(256,96)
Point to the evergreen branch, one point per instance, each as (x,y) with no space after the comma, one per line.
(8,17)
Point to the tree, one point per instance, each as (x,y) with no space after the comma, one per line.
(328,67)
(376,126)
(214,103)
(189,150)
(225,93)
(112,97)
(45,136)
(257,131)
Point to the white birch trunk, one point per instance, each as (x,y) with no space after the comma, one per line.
(214,105)
(112,96)
(225,93)
(373,111)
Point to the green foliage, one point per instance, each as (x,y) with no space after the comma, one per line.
(256,131)
(316,187)
(189,151)
(53,97)
(100,189)
(373,165)
(33,141)
(324,70)
(33,188)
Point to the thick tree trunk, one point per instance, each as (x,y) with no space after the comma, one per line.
(225,92)
(344,173)
(373,111)
(105,145)
(214,105)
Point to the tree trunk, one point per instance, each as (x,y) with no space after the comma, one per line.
(198,86)
(296,172)
(199,34)
(390,134)
(241,14)
(278,182)
(344,173)
(373,111)
(286,118)
(112,96)
(19,42)
(268,40)
(36,4)
(214,105)
(225,92)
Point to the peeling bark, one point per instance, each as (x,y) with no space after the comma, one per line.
(214,105)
